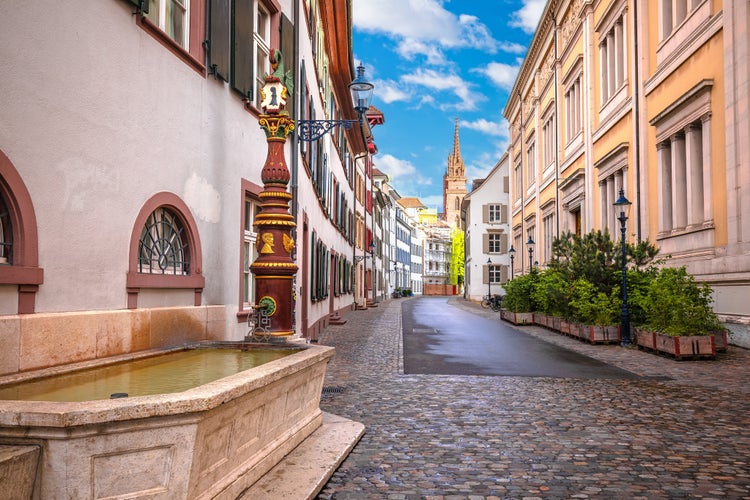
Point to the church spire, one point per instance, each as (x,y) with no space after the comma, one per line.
(455,163)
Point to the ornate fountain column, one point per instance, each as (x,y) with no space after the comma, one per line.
(274,269)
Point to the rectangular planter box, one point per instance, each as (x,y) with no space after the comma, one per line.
(543,320)
(602,334)
(517,318)
(556,323)
(565,327)
(721,342)
(645,339)
(689,346)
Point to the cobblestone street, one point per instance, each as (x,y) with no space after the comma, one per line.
(681,431)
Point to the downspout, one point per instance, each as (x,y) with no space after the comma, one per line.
(354,247)
(293,181)
(293,184)
(637,122)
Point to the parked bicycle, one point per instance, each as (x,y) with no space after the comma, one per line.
(492,301)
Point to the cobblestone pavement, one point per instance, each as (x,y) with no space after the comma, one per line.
(680,432)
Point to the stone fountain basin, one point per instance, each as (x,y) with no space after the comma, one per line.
(212,441)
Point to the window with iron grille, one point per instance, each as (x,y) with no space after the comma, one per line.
(163,246)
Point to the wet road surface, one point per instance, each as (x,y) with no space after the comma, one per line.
(441,339)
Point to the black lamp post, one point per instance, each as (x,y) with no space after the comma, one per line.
(623,204)
(512,253)
(489,278)
(530,244)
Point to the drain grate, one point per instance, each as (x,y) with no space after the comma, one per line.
(333,389)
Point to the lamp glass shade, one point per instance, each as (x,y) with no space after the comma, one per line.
(361,91)
(623,204)
(530,243)
(512,250)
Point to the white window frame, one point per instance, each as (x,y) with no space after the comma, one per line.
(157,14)
(494,212)
(249,253)
(261,45)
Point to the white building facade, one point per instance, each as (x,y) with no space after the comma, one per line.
(487,235)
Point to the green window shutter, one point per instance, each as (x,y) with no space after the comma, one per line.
(142,5)
(242,47)
(287,52)
(219,38)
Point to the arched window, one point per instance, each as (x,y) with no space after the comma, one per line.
(163,247)
(19,251)
(165,250)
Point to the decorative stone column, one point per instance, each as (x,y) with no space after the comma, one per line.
(274,269)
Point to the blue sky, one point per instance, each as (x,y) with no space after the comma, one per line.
(433,61)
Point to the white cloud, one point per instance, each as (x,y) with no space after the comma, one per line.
(423,27)
(445,82)
(527,17)
(390,91)
(487,127)
(501,74)
(400,170)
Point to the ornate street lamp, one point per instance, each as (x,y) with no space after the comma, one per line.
(512,253)
(530,244)
(361,90)
(489,278)
(623,205)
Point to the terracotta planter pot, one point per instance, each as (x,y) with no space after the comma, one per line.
(602,334)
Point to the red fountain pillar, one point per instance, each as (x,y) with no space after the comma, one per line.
(274,268)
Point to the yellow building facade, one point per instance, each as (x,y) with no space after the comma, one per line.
(650,97)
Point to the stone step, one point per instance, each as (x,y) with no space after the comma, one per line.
(303,473)
(18,466)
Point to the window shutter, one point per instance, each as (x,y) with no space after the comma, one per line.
(485,243)
(287,52)
(219,38)
(503,243)
(242,47)
(504,213)
(503,274)
(485,213)
(142,5)
(485,274)
(506,184)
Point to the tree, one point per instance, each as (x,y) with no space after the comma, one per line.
(457,257)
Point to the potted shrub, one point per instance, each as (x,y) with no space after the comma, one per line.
(550,295)
(597,312)
(518,302)
(679,318)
